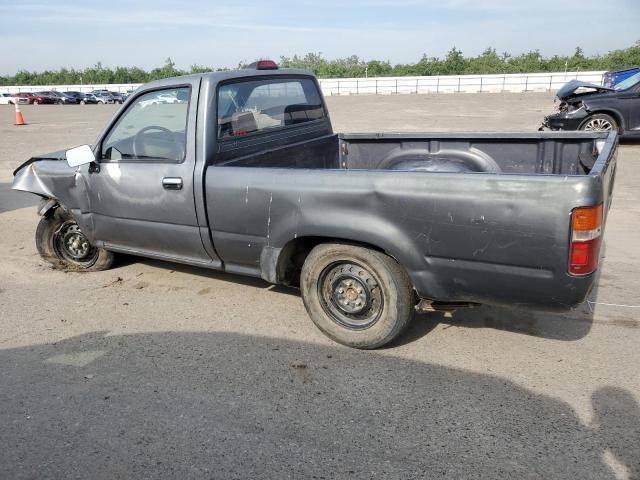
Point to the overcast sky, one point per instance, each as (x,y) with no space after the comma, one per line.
(36,35)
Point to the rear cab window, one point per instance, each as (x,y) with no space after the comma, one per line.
(256,106)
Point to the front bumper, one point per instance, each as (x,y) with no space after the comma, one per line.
(564,120)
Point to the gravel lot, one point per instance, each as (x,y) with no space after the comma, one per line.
(155,370)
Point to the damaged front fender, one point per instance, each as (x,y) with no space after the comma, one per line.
(54,179)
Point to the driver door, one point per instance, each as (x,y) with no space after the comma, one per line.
(142,196)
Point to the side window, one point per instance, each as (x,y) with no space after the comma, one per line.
(256,106)
(153,128)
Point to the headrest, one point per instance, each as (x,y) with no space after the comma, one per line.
(243,123)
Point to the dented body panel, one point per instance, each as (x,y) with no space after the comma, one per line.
(472,237)
(482,217)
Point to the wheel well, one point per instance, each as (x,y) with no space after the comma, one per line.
(615,115)
(48,206)
(295,252)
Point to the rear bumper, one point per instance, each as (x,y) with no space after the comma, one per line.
(476,282)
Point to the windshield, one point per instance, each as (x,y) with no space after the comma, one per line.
(629,82)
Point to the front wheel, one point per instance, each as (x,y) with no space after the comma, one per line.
(60,242)
(600,122)
(359,297)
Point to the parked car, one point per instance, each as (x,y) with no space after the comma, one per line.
(81,98)
(167,98)
(57,97)
(74,97)
(89,98)
(68,99)
(590,107)
(104,96)
(614,77)
(370,227)
(117,97)
(49,94)
(11,99)
(36,98)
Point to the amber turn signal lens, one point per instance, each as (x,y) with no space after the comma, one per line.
(587,218)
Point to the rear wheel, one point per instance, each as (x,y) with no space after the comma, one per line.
(60,242)
(600,122)
(357,296)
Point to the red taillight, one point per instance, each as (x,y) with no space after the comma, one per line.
(586,232)
(584,257)
(266,65)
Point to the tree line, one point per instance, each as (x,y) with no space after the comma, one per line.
(453,63)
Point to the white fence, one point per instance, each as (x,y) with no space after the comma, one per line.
(531,82)
(515,82)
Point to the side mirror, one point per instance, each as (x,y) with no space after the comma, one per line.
(80,156)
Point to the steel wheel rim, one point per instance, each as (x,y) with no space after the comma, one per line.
(598,125)
(71,245)
(350,295)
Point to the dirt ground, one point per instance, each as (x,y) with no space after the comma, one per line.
(153,369)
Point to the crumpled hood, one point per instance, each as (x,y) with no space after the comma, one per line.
(59,155)
(48,176)
(570,88)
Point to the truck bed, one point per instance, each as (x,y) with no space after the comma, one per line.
(567,153)
(492,228)
(516,153)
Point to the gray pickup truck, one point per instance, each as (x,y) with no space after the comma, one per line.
(241,171)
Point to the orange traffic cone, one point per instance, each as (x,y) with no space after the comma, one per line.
(19,117)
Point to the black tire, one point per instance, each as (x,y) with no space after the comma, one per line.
(359,297)
(58,228)
(600,122)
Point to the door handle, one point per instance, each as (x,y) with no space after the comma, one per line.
(172,183)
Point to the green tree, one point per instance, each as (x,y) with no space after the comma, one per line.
(454,62)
